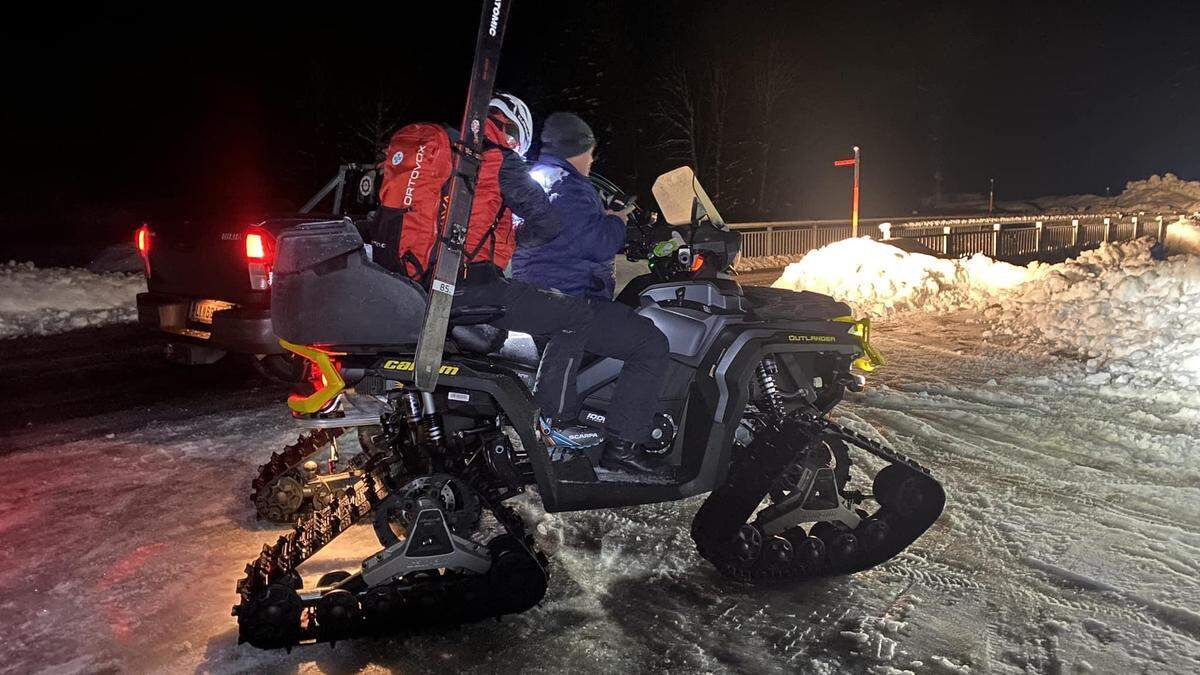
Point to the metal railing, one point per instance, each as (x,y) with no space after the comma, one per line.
(1003,238)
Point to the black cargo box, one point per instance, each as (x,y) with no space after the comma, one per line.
(326,290)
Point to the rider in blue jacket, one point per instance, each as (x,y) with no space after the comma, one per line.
(579,261)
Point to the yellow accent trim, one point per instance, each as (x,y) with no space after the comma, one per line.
(408,367)
(334,384)
(861,328)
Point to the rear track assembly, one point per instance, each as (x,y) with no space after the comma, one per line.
(273,612)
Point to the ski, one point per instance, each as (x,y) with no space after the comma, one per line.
(454,216)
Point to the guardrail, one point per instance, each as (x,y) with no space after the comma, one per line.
(1006,237)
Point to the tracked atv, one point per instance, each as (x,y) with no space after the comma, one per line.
(742,415)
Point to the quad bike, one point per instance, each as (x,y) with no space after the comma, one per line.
(753,374)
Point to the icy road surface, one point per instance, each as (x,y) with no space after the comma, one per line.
(1070,542)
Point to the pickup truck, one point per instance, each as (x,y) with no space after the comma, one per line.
(209,284)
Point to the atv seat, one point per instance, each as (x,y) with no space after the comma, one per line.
(478,338)
(326,290)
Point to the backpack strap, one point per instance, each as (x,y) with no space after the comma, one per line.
(410,261)
(489,236)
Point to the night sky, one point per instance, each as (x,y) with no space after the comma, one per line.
(117,113)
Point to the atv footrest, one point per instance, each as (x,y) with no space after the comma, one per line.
(357,411)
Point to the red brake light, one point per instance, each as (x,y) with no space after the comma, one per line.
(255,248)
(260,253)
(142,241)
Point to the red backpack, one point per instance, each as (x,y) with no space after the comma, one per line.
(415,190)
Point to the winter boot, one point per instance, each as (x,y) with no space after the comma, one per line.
(565,433)
(622,455)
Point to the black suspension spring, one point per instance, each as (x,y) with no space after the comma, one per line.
(767,368)
(431,423)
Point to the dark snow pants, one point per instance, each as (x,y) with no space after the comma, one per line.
(574,326)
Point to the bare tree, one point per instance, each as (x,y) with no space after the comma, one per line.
(370,125)
(675,108)
(773,81)
(694,111)
(715,138)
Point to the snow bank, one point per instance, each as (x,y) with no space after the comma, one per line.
(117,258)
(1183,236)
(766,262)
(880,280)
(1135,320)
(1164,194)
(37,301)
(1132,319)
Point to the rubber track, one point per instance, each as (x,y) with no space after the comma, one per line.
(720,517)
(516,582)
(282,462)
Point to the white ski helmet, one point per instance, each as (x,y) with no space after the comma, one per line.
(518,113)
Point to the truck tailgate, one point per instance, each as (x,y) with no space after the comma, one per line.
(202,261)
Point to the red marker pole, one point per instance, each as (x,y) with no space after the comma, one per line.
(854,207)
(854,196)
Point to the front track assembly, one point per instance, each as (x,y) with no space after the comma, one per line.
(801,464)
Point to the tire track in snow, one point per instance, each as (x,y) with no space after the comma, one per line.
(979,446)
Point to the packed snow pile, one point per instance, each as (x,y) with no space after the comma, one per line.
(1166,194)
(765,262)
(1157,195)
(37,301)
(1183,236)
(1136,320)
(880,280)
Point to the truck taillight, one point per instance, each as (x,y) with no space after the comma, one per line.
(141,239)
(260,256)
(255,248)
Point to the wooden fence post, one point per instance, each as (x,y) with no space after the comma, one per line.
(995,240)
(1162,230)
(1074,232)
(946,240)
(1037,236)
(1136,231)
(1107,230)
(770,235)
(885,230)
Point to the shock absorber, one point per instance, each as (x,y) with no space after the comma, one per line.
(431,423)
(767,368)
(410,405)
(410,408)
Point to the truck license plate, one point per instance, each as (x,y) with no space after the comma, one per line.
(203,310)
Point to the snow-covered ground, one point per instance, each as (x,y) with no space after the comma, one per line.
(41,301)
(1070,541)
